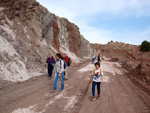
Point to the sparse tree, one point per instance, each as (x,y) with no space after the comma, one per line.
(145,46)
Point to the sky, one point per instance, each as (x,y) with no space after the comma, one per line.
(102,21)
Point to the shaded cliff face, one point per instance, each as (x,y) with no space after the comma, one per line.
(28,33)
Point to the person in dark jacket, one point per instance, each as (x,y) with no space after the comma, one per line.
(50,62)
(99,58)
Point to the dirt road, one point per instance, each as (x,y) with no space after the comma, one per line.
(118,94)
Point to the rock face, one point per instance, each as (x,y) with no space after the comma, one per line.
(28,33)
(136,62)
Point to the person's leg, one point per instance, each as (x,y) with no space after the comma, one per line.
(93,88)
(51,71)
(62,80)
(55,81)
(48,68)
(98,87)
(66,76)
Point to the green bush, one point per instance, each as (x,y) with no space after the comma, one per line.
(145,46)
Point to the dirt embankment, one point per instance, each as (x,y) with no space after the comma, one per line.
(135,62)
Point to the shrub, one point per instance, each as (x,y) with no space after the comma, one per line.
(145,46)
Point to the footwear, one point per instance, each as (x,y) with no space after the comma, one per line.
(60,90)
(53,90)
(98,97)
(66,79)
(93,98)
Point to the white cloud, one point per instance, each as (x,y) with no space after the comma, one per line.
(96,35)
(83,12)
(135,37)
(92,7)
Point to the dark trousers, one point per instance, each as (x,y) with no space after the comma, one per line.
(93,60)
(50,70)
(98,87)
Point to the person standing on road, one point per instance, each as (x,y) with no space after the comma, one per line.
(59,72)
(93,59)
(99,58)
(50,62)
(66,59)
(97,78)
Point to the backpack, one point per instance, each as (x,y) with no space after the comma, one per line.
(69,61)
(64,64)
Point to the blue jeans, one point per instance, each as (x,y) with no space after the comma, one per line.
(98,87)
(62,80)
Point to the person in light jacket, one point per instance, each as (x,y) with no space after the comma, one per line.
(59,72)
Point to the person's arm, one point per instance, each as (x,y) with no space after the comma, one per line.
(91,78)
(102,78)
(54,60)
(61,67)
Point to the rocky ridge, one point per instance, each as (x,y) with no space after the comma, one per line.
(28,33)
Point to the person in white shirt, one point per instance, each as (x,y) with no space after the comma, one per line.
(97,78)
(59,72)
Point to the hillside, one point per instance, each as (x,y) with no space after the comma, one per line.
(28,33)
(135,62)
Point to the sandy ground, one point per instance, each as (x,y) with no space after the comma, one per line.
(118,94)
